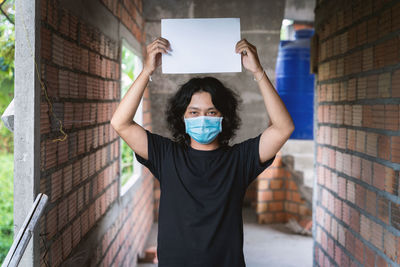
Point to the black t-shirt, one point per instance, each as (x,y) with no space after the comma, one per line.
(200,214)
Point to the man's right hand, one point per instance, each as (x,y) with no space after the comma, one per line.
(153,56)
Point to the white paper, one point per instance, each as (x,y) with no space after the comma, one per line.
(201,45)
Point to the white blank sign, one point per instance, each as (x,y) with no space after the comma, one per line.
(201,45)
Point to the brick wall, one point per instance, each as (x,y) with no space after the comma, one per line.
(277,195)
(86,221)
(357,205)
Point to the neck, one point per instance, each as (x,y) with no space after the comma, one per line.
(211,146)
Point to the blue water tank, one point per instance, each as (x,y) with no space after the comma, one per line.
(295,83)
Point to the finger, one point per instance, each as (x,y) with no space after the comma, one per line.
(241,46)
(159,50)
(158,42)
(245,42)
(162,40)
(155,42)
(163,43)
(159,45)
(246,48)
(165,40)
(240,43)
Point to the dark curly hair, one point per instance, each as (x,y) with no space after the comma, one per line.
(223,98)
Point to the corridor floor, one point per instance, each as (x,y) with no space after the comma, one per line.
(265,245)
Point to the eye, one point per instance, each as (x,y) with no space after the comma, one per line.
(212,112)
(192,112)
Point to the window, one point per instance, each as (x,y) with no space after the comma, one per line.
(131,66)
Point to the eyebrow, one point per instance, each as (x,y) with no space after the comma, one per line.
(196,108)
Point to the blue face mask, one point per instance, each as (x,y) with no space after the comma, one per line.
(203,129)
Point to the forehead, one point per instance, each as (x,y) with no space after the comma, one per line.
(201,100)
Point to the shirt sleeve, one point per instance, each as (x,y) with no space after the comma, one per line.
(157,147)
(249,154)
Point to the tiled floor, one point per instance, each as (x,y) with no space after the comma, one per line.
(266,244)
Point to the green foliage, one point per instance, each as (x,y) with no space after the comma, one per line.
(126,162)
(127,66)
(7,48)
(6,203)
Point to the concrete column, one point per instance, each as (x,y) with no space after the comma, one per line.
(27,119)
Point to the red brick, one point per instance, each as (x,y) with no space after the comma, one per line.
(351,139)
(395,149)
(396,83)
(68,115)
(67,53)
(391,117)
(360,141)
(43,10)
(390,180)
(372,86)
(342,187)
(67,242)
(361,33)
(371,202)
(366,171)
(368,58)
(365,227)
(338,208)
(56,252)
(348,114)
(347,164)
(56,185)
(72,209)
(76,232)
(383,209)
(73,29)
(359,250)
(44,119)
(376,235)
(62,151)
(279,195)
(76,175)
(372,142)
(51,81)
(342,139)
(361,87)
(372,29)
(84,60)
(57,51)
(395,17)
(379,176)
(51,223)
(384,22)
(338,161)
(62,213)
(264,195)
(85,168)
(46,44)
(384,84)
(67,179)
(278,206)
(369,257)
(355,220)
(384,147)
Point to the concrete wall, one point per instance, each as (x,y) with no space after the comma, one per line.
(87,222)
(300,10)
(356,202)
